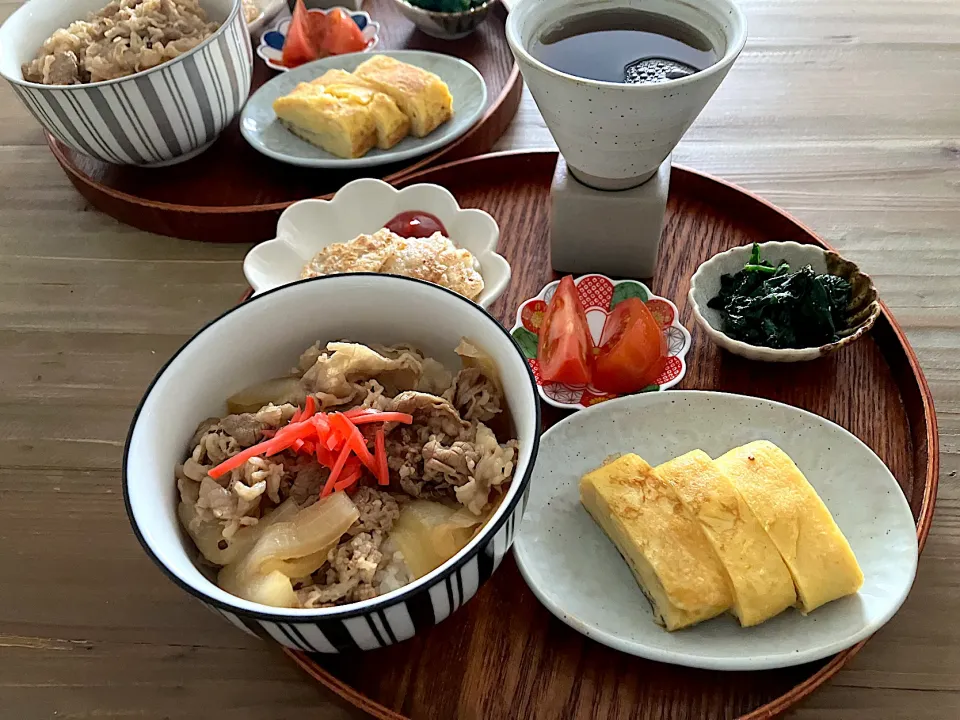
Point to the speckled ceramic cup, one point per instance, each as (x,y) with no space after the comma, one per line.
(614,136)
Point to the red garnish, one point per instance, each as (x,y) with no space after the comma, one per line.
(315,35)
(309,407)
(335,471)
(380,452)
(354,440)
(358,411)
(352,472)
(334,439)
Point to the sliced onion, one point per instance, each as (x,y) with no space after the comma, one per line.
(302,566)
(209,536)
(430,533)
(273,589)
(472,356)
(278,391)
(312,530)
(293,548)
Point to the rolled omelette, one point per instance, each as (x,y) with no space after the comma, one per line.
(761,583)
(817,554)
(671,558)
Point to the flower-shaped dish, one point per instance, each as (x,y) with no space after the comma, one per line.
(599,295)
(270,49)
(363,207)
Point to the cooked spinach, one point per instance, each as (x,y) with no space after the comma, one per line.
(770,306)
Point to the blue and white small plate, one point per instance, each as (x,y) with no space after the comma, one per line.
(260,127)
(270,49)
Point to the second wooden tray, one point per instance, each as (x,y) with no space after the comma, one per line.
(232,193)
(503,655)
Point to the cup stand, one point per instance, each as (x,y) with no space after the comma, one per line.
(615,233)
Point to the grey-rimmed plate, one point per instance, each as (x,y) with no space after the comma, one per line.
(263,131)
(577,573)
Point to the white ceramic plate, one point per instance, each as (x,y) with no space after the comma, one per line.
(578,574)
(364,206)
(263,131)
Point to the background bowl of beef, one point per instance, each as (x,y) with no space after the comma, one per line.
(161,116)
(862,312)
(248,344)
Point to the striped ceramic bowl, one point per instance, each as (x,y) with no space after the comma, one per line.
(161,116)
(247,344)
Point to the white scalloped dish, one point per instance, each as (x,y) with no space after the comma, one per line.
(363,207)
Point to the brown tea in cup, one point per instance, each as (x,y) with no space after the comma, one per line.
(624,46)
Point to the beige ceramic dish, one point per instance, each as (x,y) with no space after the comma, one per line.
(862,313)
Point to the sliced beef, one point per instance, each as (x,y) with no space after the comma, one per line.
(474,395)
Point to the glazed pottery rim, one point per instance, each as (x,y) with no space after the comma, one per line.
(502,514)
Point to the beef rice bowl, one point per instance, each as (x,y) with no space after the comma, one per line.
(338,463)
(363,469)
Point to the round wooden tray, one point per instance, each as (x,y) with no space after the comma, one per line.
(503,655)
(232,193)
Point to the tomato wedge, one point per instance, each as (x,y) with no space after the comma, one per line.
(565,344)
(341,34)
(632,350)
(299,47)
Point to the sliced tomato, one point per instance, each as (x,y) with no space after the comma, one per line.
(632,350)
(565,344)
(342,35)
(298,48)
(317,25)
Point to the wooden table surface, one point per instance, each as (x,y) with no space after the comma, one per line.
(845,113)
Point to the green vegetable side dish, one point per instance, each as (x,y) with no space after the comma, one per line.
(448,6)
(770,306)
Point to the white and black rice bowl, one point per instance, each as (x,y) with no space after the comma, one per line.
(262,338)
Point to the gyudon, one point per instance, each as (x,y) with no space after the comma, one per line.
(123,38)
(366,468)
